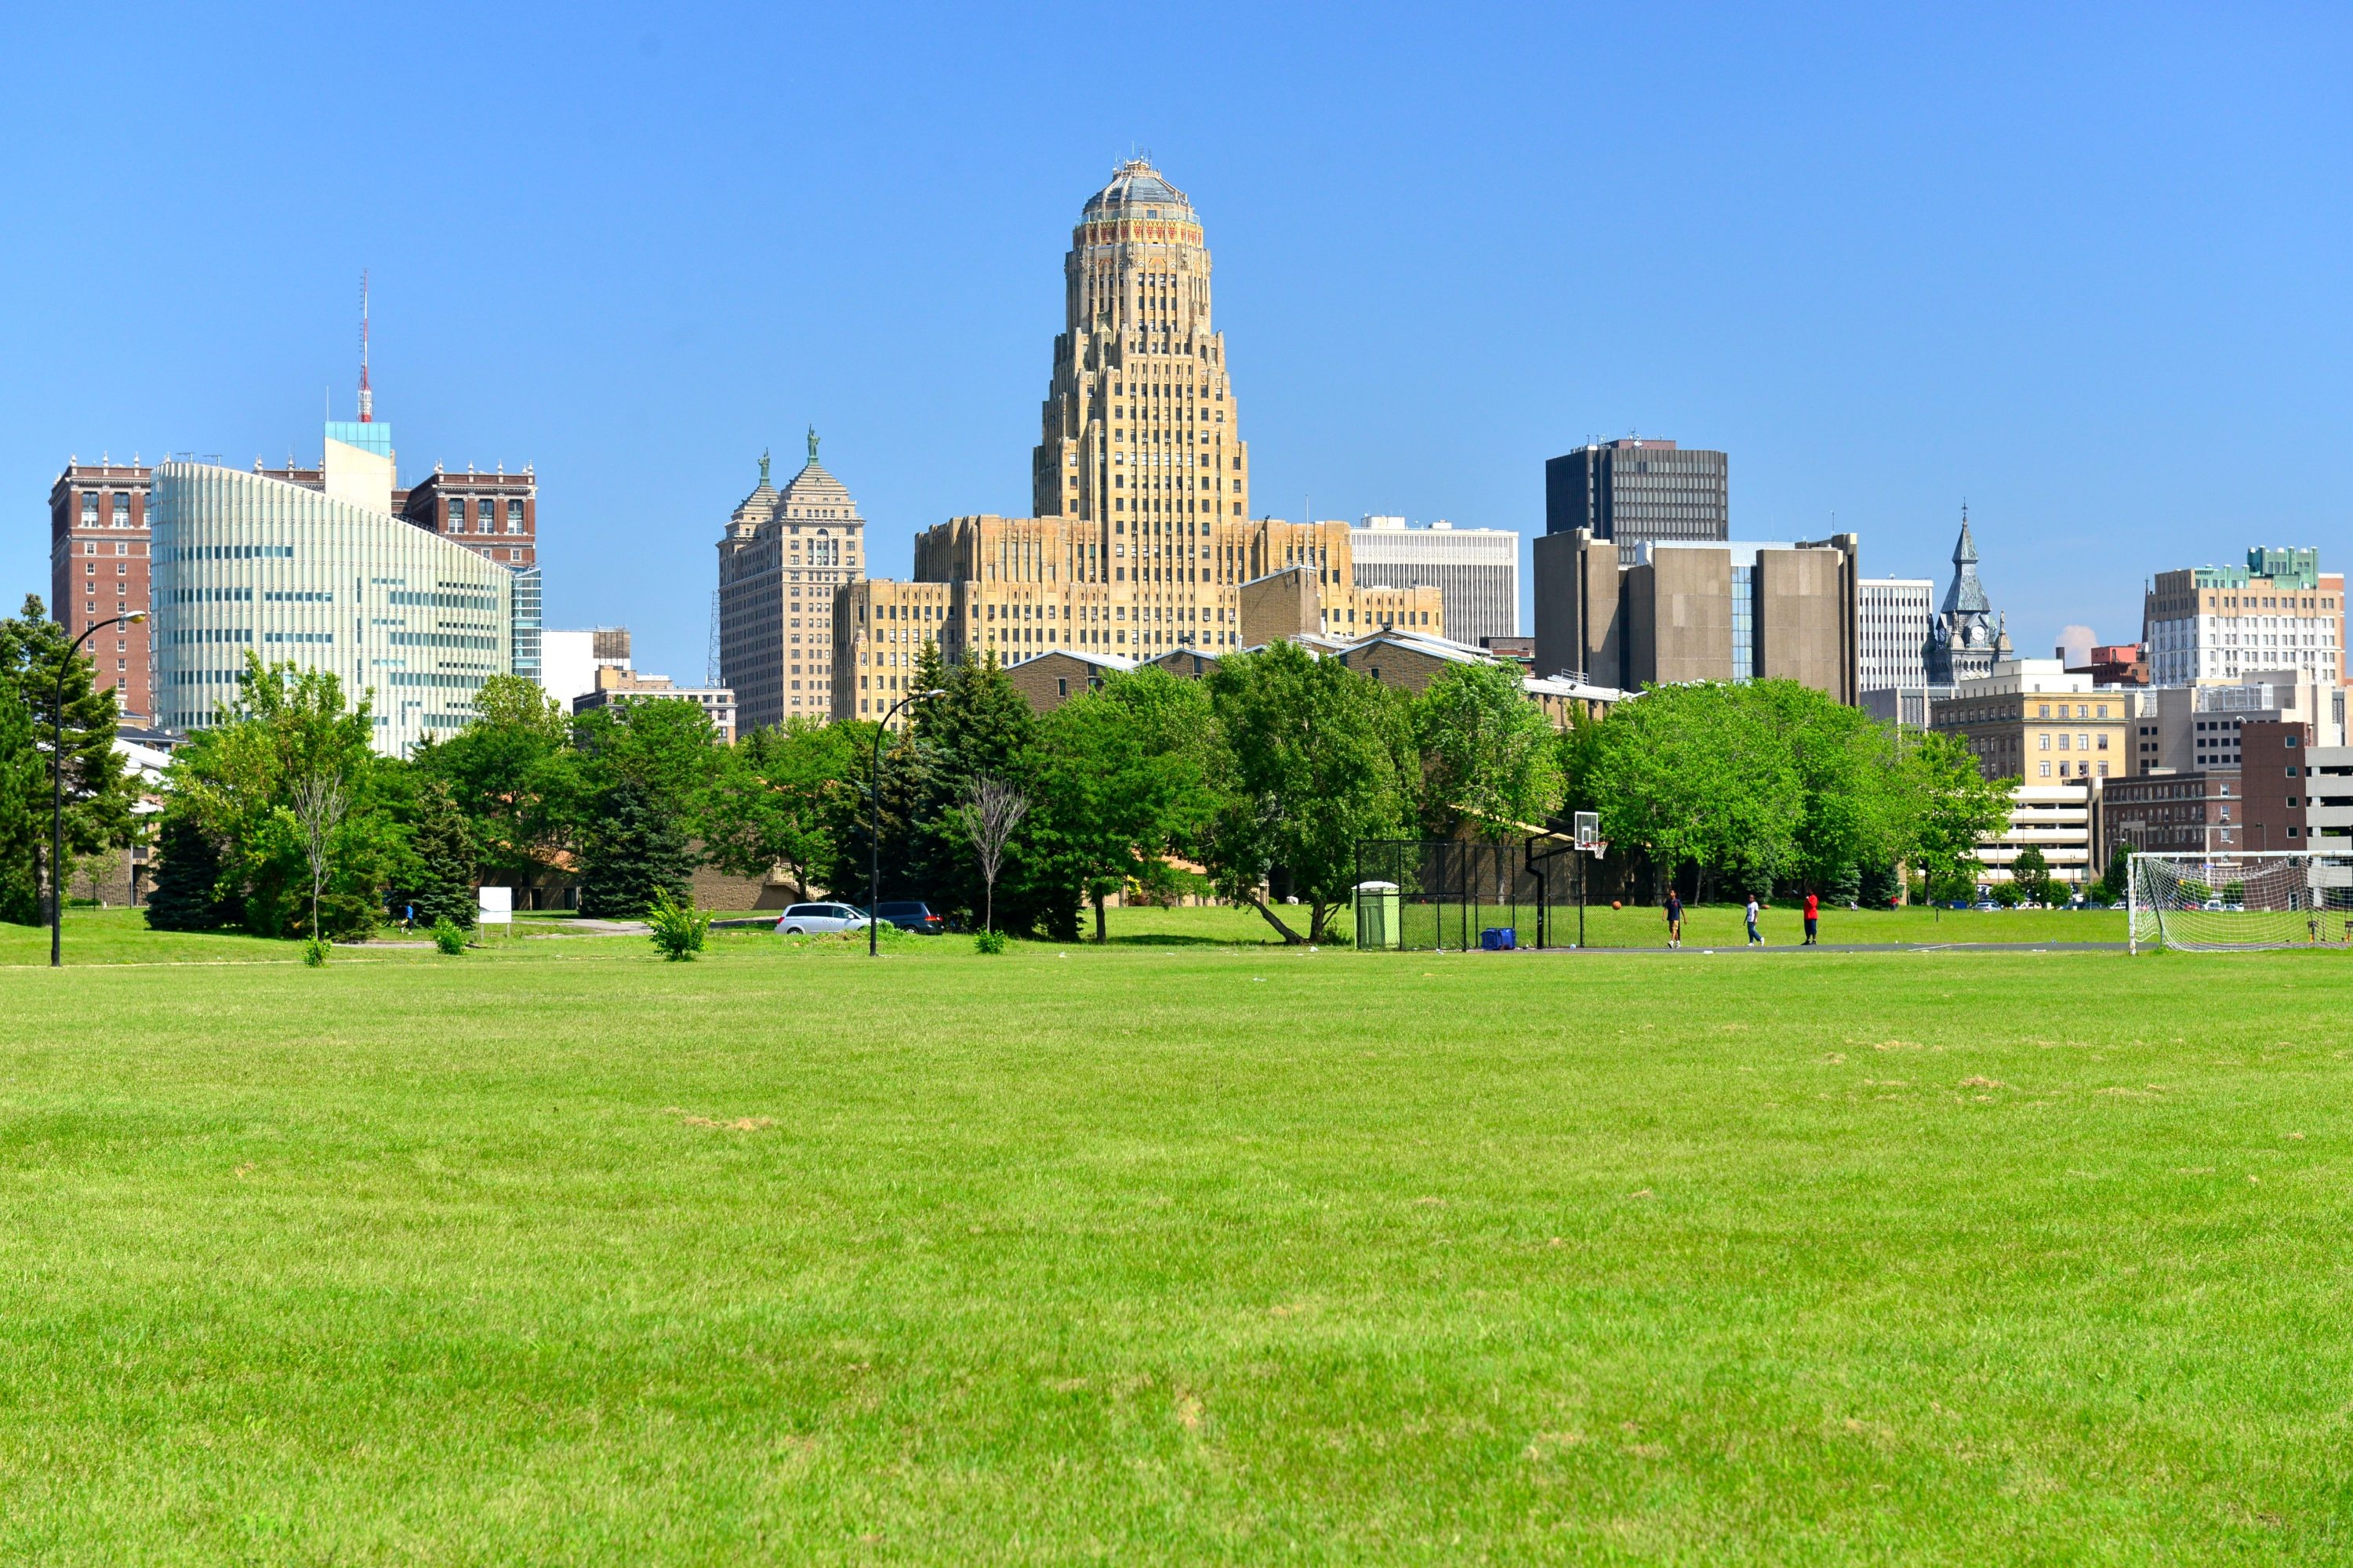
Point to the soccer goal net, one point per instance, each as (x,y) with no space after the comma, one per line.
(2242,902)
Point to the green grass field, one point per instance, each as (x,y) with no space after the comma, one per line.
(1176,1251)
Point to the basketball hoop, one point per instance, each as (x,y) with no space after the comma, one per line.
(1588,834)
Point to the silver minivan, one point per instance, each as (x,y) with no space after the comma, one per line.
(803,919)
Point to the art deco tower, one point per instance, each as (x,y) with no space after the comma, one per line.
(1140,422)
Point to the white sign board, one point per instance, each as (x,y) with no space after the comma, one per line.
(497,906)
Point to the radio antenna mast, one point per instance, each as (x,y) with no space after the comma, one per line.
(368,398)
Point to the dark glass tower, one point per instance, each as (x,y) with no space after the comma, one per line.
(1636,491)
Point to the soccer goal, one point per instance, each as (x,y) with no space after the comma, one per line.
(2234,903)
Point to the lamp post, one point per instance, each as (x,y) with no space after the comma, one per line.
(58,787)
(874,816)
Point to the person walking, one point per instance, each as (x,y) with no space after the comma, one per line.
(1813,917)
(1755,938)
(1674,919)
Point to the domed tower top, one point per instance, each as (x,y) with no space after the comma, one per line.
(1139,190)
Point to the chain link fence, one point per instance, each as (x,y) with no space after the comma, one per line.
(1432,895)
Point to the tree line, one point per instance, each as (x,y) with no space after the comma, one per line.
(1257,782)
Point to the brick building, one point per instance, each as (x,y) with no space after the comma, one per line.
(99,568)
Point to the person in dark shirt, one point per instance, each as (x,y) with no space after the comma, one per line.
(1674,919)
(1813,916)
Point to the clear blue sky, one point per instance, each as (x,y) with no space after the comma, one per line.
(2087,268)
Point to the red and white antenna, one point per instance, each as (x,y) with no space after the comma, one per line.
(368,398)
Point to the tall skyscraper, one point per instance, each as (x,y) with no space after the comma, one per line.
(784,557)
(1475,570)
(1140,423)
(1142,538)
(1636,492)
(98,570)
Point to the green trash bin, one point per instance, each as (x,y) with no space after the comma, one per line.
(1377,914)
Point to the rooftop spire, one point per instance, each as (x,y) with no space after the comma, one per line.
(367,395)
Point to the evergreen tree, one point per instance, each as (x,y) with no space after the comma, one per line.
(443,848)
(99,789)
(24,816)
(634,852)
(187,894)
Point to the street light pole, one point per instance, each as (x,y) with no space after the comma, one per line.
(58,787)
(874,817)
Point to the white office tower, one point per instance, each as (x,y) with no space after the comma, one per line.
(326,579)
(1475,570)
(1897,615)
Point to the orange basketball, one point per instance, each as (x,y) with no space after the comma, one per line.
(1616,905)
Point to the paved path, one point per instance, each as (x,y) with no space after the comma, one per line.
(1787,947)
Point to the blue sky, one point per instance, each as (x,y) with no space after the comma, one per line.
(2086,267)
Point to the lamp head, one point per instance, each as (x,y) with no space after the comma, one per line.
(134,617)
(935,691)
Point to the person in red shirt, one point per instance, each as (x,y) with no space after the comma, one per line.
(1813,914)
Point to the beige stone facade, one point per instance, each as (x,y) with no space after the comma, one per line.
(1143,541)
(783,558)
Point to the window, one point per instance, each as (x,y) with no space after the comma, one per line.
(458,514)
(89,509)
(2046,769)
(515,525)
(2043,711)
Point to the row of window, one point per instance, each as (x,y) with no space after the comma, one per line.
(486,514)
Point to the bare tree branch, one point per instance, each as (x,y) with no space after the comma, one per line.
(319,805)
(992,810)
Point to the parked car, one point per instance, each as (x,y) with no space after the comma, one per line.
(910,916)
(807,920)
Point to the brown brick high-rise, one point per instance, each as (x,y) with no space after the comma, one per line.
(99,569)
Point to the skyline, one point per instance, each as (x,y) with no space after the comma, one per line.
(1887,269)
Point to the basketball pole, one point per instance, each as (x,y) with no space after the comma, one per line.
(2132,905)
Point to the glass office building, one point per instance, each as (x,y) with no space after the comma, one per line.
(244,562)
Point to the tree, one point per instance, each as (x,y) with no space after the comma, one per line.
(635,852)
(1121,783)
(1948,808)
(979,726)
(442,859)
(23,815)
(1699,774)
(1849,791)
(319,806)
(2031,869)
(1317,760)
(992,810)
(186,891)
(515,775)
(240,781)
(1488,755)
(777,798)
(98,790)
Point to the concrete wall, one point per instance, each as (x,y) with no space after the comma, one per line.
(1679,618)
(1579,608)
(1805,620)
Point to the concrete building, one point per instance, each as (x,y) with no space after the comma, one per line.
(570,660)
(2184,728)
(2030,720)
(782,561)
(329,578)
(620,687)
(98,566)
(1895,615)
(2279,611)
(1682,612)
(1635,491)
(1475,570)
(1967,639)
(2051,818)
(880,628)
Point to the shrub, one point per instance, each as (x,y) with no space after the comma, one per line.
(678,929)
(988,941)
(314,951)
(448,936)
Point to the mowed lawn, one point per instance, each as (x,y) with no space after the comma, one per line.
(1176,1253)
